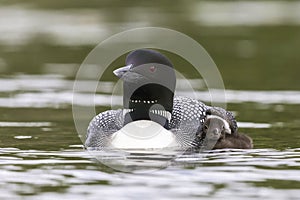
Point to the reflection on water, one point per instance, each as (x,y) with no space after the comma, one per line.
(250,174)
(20,24)
(24,124)
(247,13)
(55,91)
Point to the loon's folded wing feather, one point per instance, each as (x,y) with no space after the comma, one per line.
(188,116)
(102,127)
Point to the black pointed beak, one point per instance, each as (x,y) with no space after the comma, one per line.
(121,71)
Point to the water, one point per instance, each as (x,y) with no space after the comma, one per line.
(43,158)
(69,174)
(42,45)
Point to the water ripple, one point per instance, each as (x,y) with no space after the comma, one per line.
(53,91)
(234,174)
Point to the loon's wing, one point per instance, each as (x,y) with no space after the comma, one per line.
(227,115)
(188,116)
(102,127)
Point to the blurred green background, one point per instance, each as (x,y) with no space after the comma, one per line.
(255,44)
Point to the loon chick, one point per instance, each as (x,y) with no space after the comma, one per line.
(218,135)
(149,82)
(226,115)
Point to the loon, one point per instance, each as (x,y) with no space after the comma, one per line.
(218,135)
(152,117)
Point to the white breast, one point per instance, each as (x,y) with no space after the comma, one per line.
(143,134)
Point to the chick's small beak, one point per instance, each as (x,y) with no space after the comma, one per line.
(121,71)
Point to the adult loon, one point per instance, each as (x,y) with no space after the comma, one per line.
(149,104)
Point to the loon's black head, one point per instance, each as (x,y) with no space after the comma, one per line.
(149,84)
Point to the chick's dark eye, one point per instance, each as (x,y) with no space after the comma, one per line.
(205,126)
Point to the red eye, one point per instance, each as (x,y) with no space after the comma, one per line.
(152,69)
